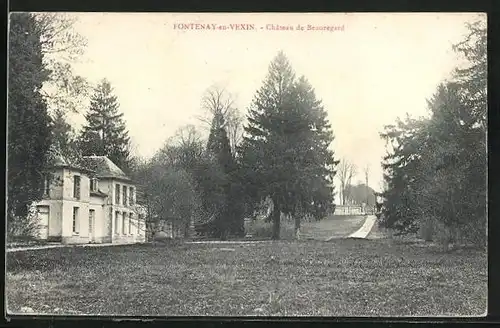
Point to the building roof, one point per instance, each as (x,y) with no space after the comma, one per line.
(60,161)
(98,193)
(104,167)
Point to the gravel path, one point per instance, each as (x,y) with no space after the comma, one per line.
(30,248)
(365,229)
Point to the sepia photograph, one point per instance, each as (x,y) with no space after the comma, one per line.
(246,165)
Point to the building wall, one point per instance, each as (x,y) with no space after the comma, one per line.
(136,233)
(55,217)
(111,190)
(56,184)
(70,202)
(69,185)
(55,220)
(61,202)
(128,207)
(97,204)
(108,222)
(82,233)
(105,185)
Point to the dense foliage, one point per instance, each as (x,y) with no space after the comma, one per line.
(360,194)
(221,192)
(436,169)
(285,151)
(42,87)
(28,120)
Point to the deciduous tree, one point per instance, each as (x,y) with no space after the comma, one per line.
(346,171)
(64,137)
(62,47)
(169,195)
(218,102)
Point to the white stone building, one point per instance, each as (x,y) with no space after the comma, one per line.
(93,202)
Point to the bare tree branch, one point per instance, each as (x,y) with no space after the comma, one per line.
(235,129)
(62,46)
(217,101)
(346,171)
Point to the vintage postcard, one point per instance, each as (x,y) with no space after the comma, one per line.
(247,165)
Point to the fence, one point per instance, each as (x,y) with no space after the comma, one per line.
(349,210)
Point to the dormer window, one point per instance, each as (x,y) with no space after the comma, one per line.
(93,184)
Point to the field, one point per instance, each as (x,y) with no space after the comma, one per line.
(342,277)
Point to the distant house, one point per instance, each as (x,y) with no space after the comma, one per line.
(90,202)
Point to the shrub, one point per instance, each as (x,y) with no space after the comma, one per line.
(161,236)
(426,229)
(23,228)
(444,235)
(474,232)
(262,229)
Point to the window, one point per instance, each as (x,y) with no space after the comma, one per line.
(91,221)
(46,185)
(93,184)
(125,197)
(117,194)
(131,201)
(76,224)
(76,186)
(117,222)
(130,216)
(138,225)
(124,225)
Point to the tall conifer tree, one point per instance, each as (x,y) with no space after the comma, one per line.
(28,120)
(285,152)
(105,133)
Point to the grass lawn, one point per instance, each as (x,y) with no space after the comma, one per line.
(343,277)
(334,226)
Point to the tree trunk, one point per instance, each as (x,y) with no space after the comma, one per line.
(276,221)
(150,231)
(224,235)
(222,229)
(341,194)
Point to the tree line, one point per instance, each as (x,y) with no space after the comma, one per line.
(42,48)
(435,170)
(282,154)
(43,90)
(354,194)
(280,157)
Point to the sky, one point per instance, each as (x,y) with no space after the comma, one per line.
(368,69)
